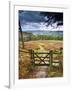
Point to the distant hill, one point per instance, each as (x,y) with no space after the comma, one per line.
(49,33)
(26,35)
(42,35)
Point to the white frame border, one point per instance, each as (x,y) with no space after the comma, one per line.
(12,34)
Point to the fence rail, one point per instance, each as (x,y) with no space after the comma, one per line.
(43,58)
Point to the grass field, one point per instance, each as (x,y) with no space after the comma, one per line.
(46,44)
(27,70)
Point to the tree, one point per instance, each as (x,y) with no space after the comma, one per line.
(53,17)
(21,34)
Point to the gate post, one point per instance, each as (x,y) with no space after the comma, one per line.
(32,56)
(51,59)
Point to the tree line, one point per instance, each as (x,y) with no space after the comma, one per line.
(42,37)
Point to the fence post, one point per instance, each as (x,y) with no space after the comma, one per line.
(30,52)
(61,66)
(51,58)
(61,50)
(32,56)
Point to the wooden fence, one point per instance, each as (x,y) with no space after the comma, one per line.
(44,58)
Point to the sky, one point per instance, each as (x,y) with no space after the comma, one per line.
(34,20)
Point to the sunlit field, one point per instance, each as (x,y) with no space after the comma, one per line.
(27,70)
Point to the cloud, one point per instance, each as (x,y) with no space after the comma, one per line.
(33,20)
(31,16)
(40,26)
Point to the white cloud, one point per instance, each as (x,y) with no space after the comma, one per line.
(41,26)
(46,18)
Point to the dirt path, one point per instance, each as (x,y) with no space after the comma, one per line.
(41,72)
(41,47)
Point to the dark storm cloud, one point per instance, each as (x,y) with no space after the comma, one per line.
(31,16)
(37,20)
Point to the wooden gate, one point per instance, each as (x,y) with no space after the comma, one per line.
(41,58)
(45,58)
